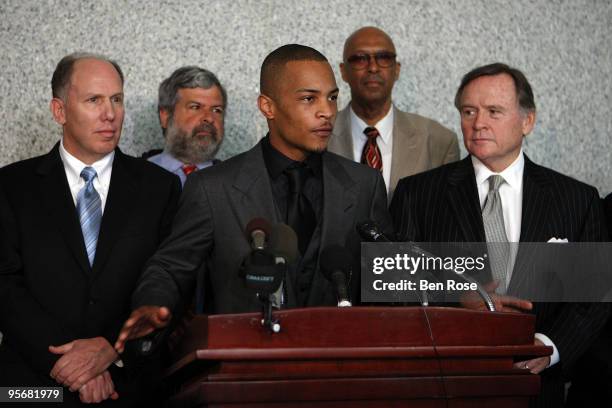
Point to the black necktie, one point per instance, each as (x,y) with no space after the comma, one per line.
(300,215)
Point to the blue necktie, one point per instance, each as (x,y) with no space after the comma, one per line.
(89,208)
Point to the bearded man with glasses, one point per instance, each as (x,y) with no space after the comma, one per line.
(370,129)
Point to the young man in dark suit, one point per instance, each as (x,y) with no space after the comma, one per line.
(77,225)
(298,100)
(497,194)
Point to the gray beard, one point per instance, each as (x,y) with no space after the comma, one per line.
(187,148)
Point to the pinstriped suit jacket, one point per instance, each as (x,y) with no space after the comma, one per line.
(442,205)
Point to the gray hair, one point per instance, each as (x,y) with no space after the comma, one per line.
(186,77)
(64,68)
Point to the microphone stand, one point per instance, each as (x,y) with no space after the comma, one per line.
(268,320)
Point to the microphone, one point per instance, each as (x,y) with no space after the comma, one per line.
(283,243)
(259,268)
(257,231)
(369,231)
(261,273)
(335,264)
(284,247)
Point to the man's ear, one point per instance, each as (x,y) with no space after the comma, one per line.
(528,122)
(343,72)
(164,116)
(58,110)
(266,106)
(398,67)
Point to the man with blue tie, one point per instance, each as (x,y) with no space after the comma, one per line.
(77,225)
(191,106)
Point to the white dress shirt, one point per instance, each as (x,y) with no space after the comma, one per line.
(384,141)
(73,168)
(511,194)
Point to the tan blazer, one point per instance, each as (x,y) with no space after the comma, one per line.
(419,144)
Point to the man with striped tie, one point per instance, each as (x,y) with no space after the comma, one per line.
(191,106)
(499,196)
(371,130)
(77,225)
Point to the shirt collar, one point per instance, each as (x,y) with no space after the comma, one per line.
(513,174)
(276,162)
(384,126)
(171,163)
(74,166)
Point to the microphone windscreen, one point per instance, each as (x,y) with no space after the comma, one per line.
(284,242)
(370,232)
(257,223)
(335,258)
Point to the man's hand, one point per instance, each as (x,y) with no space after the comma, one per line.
(503,303)
(536,365)
(81,361)
(142,321)
(98,389)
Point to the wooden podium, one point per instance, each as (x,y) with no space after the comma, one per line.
(357,357)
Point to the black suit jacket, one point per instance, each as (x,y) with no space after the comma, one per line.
(216,206)
(49,294)
(442,206)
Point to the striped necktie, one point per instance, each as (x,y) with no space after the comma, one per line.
(89,208)
(189,168)
(495,232)
(371,153)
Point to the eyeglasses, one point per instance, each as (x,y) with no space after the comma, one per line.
(361,61)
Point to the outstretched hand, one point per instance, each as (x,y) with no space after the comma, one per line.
(142,321)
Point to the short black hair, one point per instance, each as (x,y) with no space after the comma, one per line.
(521,85)
(64,68)
(275,61)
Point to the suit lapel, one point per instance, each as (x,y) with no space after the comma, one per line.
(536,207)
(122,196)
(340,193)
(405,145)
(56,197)
(536,203)
(462,197)
(251,193)
(341,141)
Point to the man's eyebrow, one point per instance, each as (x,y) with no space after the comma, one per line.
(309,90)
(466,105)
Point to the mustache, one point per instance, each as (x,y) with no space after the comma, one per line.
(205,127)
(373,77)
